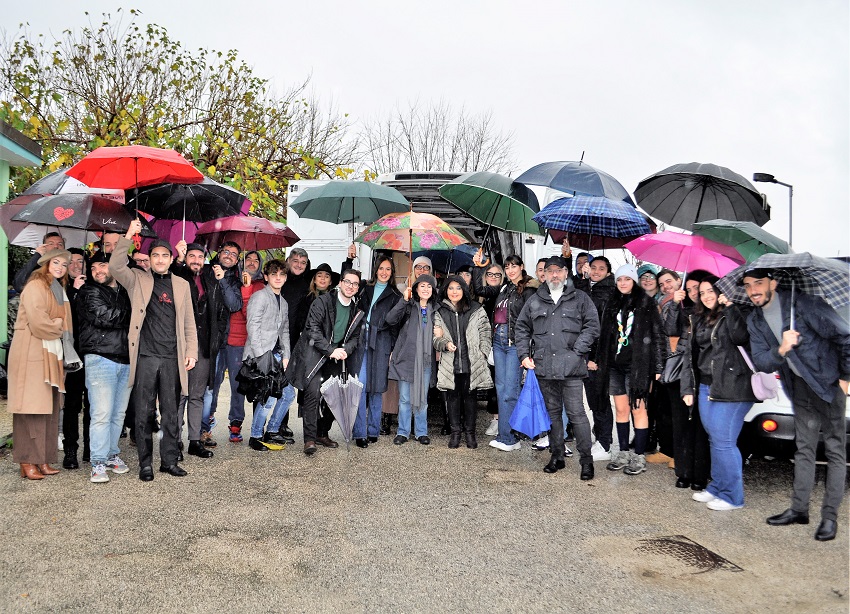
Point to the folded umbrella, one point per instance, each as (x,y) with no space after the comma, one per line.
(683,252)
(530,416)
(342,396)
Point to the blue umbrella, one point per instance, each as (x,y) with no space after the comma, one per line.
(449,261)
(530,416)
(595,216)
(577,177)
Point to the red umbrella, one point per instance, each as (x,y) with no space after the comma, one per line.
(133,166)
(251,233)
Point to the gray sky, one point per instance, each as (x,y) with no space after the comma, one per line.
(757,86)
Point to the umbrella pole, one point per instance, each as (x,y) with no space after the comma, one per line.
(792,305)
(183,237)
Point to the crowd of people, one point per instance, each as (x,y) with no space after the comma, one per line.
(157,332)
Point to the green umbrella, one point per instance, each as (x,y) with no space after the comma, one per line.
(749,239)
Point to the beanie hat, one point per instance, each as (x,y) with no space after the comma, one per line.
(627,270)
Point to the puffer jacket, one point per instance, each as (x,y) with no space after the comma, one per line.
(507,291)
(103,315)
(475,326)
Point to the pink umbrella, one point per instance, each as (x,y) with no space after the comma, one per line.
(251,233)
(682,252)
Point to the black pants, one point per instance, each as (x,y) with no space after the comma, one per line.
(194,403)
(156,378)
(76,399)
(600,408)
(560,394)
(461,405)
(660,408)
(691,451)
(316,417)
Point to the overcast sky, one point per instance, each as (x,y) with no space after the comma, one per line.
(756,86)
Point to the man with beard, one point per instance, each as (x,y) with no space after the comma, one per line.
(811,351)
(103,316)
(563,324)
(76,399)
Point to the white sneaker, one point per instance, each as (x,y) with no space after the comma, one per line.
(98,473)
(719,505)
(703,496)
(599,453)
(493,429)
(542,443)
(61,443)
(504,447)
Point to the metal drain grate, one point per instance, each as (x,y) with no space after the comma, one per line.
(688,552)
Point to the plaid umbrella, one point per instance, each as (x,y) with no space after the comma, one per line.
(594,216)
(804,272)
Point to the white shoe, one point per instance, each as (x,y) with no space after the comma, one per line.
(493,429)
(599,453)
(719,505)
(542,443)
(703,496)
(504,447)
(61,444)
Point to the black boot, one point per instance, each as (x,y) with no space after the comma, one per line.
(386,424)
(454,440)
(471,441)
(70,460)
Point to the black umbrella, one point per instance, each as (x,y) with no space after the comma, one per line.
(196,202)
(83,211)
(687,193)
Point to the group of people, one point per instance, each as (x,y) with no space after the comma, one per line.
(157,333)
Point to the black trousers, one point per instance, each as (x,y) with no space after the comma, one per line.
(461,405)
(157,378)
(660,409)
(560,394)
(316,417)
(691,451)
(76,399)
(600,408)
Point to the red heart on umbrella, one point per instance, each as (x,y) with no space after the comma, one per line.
(60,213)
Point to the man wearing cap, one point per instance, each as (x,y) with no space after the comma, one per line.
(103,315)
(554,333)
(163,347)
(813,360)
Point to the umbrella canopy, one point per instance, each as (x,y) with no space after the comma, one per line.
(59,182)
(682,252)
(593,216)
(494,200)
(687,193)
(251,233)
(32,235)
(342,394)
(576,177)
(449,261)
(594,242)
(530,416)
(411,231)
(804,272)
(750,240)
(196,202)
(81,211)
(341,202)
(133,166)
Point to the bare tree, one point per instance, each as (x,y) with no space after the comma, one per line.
(436,137)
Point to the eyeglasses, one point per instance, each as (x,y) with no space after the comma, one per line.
(494,275)
(420,267)
(351,284)
(227,252)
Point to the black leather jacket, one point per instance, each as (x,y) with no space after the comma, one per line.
(103,316)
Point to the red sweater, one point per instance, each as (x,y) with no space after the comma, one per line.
(238,334)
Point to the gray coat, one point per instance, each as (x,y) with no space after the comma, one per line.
(479,342)
(267,324)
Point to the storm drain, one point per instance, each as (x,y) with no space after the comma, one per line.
(687,552)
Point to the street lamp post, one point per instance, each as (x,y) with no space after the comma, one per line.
(768,178)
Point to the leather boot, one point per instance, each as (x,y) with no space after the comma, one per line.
(70,460)
(454,440)
(46,469)
(471,441)
(386,427)
(31,472)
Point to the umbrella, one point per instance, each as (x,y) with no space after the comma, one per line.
(593,216)
(196,202)
(593,242)
(342,395)
(251,233)
(750,240)
(494,200)
(687,193)
(133,166)
(32,235)
(81,211)
(411,231)
(575,177)
(59,182)
(449,261)
(804,272)
(530,416)
(682,252)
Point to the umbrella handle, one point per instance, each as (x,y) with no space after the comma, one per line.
(479,257)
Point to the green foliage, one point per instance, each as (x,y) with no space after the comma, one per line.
(18,257)
(116,83)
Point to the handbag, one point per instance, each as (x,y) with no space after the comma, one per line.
(765,386)
(70,360)
(673,367)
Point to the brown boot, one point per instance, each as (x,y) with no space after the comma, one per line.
(47,469)
(31,472)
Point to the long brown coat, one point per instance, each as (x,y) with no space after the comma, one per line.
(40,317)
(139,285)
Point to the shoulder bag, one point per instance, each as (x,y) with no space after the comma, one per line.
(765,386)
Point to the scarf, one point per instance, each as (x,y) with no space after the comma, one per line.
(53,352)
(424,343)
(624,333)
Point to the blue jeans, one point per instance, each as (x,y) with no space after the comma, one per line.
(261,412)
(106,382)
(420,415)
(508,381)
(281,408)
(229,358)
(723,422)
(368,421)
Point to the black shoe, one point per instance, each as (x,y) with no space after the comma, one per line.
(256,444)
(554,465)
(176,470)
(826,530)
(309,448)
(286,432)
(698,486)
(196,448)
(180,456)
(454,440)
(146,474)
(361,442)
(446,430)
(683,483)
(587,472)
(180,445)
(272,437)
(386,427)
(70,460)
(424,440)
(372,439)
(399,439)
(789,516)
(471,441)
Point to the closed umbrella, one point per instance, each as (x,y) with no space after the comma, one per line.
(682,252)
(530,416)
(575,177)
(342,395)
(750,240)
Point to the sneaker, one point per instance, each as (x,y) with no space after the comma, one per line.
(637,464)
(542,443)
(61,443)
(235,434)
(567,452)
(504,447)
(599,453)
(703,496)
(212,423)
(619,462)
(719,505)
(207,440)
(116,465)
(493,429)
(98,473)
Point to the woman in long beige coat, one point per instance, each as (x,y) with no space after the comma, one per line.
(36,372)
